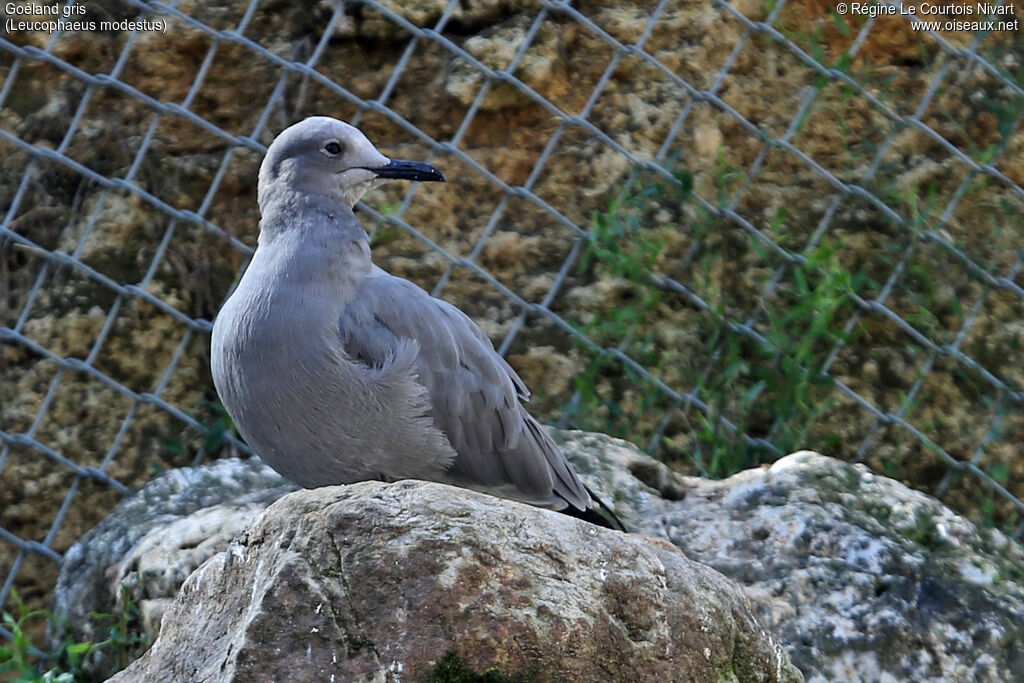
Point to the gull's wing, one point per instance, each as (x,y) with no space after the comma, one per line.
(475,395)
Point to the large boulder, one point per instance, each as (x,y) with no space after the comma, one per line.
(380,582)
(860,577)
(143,551)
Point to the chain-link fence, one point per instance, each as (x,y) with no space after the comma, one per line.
(722,230)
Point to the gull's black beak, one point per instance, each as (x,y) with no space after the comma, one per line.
(408,170)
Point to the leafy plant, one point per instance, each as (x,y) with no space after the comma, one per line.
(775,393)
(623,248)
(216,427)
(21,661)
(763,386)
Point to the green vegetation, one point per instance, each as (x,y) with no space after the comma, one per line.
(777,391)
(453,669)
(624,249)
(21,659)
(762,384)
(215,427)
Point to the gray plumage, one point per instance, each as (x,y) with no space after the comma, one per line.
(335,371)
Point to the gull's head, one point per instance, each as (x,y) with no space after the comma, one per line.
(327,156)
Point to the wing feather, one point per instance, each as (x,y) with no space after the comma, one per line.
(475,394)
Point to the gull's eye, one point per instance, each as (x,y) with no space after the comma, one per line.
(332,148)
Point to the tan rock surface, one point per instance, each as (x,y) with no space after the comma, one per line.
(379,582)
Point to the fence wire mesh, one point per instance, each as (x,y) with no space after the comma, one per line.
(724,231)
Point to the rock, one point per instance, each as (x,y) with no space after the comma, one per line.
(150,543)
(380,581)
(496,47)
(425,14)
(147,547)
(859,576)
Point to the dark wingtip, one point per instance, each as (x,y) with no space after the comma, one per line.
(601,515)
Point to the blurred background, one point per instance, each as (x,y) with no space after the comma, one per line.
(721,231)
